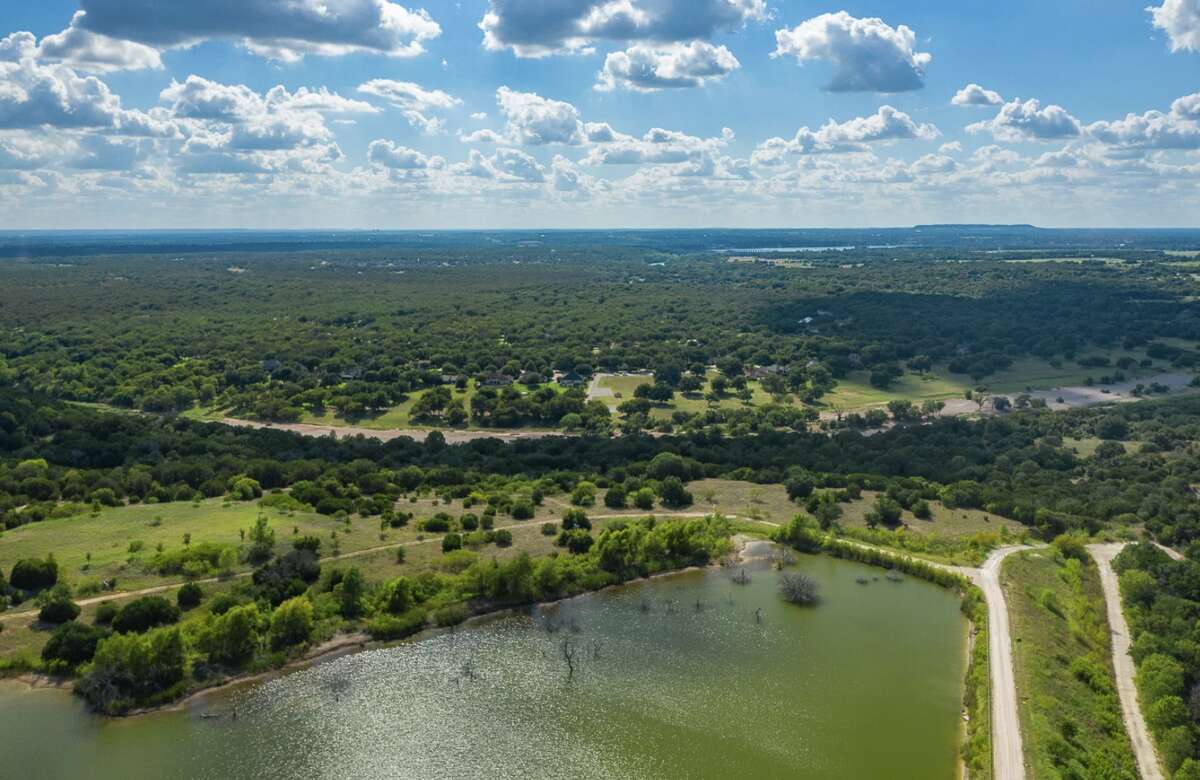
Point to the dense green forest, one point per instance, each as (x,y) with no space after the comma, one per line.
(356,332)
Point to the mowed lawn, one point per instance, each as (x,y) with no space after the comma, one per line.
(1067,701)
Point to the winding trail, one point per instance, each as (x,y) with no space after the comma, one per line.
(1123,668)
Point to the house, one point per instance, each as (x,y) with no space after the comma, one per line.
(762,372)
(497,379)
(571,379)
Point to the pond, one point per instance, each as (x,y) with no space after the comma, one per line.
(690,675)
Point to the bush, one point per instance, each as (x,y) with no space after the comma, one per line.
(450,616)
(387,628)
(59,610)
(577,541)
(503,538)
(469,521)
(189,596)
(231,639)
(575,518)
(134,669)
(549,529)
(438,524)
(291,623)
(144,614)
(522,509)
(616,497)
(106,613)
(72,644)
(34,574)
(673,494)
(451,542)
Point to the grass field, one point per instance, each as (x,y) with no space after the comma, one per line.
(1070,718)
(107,536)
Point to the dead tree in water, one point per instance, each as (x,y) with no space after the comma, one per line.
(569,650)
(798,589)
(741,578)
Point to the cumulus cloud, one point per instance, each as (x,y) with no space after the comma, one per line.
(36,95)
(389,155)
(481,136)
(537,28)
(975,95)
(414,101)
(1180,20)
(277,120)
(645,68)
(21,154)
(537,121)
(1178,129)
(87,50)
(867,55)
(1028,120)
(97,153)
(886,124)
(506,165)
(657,146)
(280,30)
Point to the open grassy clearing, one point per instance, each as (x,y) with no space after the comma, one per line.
(1070,718)
(108,535)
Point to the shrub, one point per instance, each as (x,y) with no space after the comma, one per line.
(72,644)
(577,541)
(575,518)
(134,669)
(438,524)
(450,616)
(522,509)
(503,538)
(549,529)
(291,623)
(231,639)
(190,595)
(34,574)
(145,613)
(616,497)
(470,521)
(387,628)
(106,613)
(58,610)
(451,541)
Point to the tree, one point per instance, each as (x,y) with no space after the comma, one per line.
(615,497)
(796,588)
(398,595)
(644,498)
(575,518)
(233,638)
(34,574)
(72,644)
(800,484)
(887,512)
(189,596)
(145,613)
(291,623)
(584,494)
(130,669)
(262,540)
(350,592)
(673,494)
(451,542)
(57,606)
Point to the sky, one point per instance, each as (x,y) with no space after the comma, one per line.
(376,114)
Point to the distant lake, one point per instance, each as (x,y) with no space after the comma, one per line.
(675,678)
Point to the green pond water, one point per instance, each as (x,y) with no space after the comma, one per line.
(676,678)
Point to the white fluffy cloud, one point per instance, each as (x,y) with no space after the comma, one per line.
(647,68)
(506,165)
(87,50)
(389,155)
(868,55)
(280,30)
(657,146)
(416,103)
(36,95)
(1180,20)
(1177,129)
(975,95)
(1028,120)
(886,124)
(537,121)
(537,28)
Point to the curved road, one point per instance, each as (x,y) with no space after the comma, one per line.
(1123,668)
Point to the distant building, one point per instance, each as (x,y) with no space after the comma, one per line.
(762,372)
(498,379)
(571,379)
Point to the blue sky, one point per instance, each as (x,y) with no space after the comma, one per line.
(597,113)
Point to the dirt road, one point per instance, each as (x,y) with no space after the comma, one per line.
(453,435)
(1123,669)
(1008,760)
